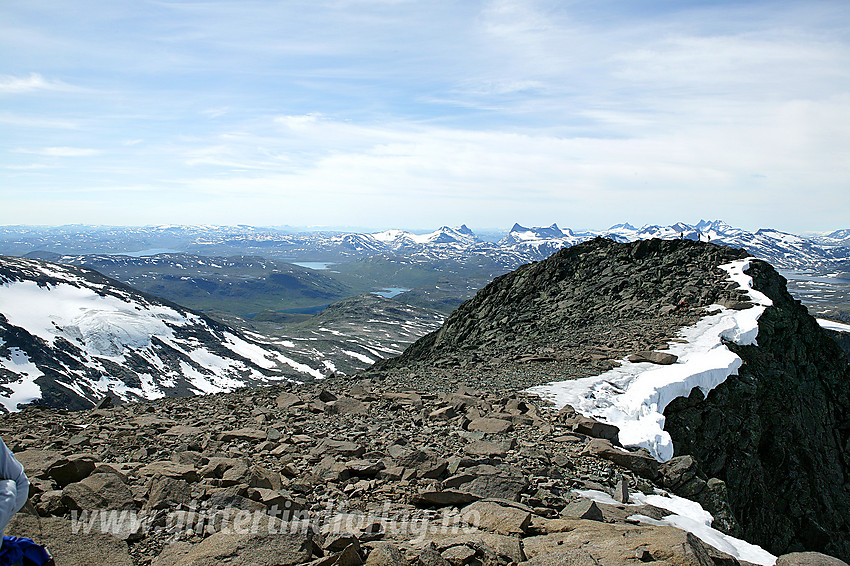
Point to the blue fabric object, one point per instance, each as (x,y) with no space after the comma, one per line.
(14,487)
(22,551)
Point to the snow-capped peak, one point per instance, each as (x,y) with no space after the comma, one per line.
(395,238)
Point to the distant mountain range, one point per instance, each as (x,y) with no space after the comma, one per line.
(781,249)
(520,245)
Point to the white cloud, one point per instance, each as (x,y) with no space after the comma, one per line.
(30,122)
(28,167)
(603,111)
(328,169)
(34,82)
(62,151)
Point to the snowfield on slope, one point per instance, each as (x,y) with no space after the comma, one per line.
(633,396)
(103,326)
(833,325)
(75,331)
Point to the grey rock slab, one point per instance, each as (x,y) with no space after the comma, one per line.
(286,401)
(661,358)
(430,556)
(170,469)
(249,434)
(183,431)
(487,448)
(37,462)
(261,477)
(443,498)
(617,544)
(490,425)
(457,480)
(385,554)
(350,556)
(337,541)
(621,491)
(592,427)
(69,548)
(494,517)
(808,559)
(166,493)
(225,549)
(642,464)
(458,555)
(348,406)
(98,492)
(340,448)
(496,486)
(74,469)
(509,548)
(583,509)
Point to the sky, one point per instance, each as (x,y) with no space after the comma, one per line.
(409,114)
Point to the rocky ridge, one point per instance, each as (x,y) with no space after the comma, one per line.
(588,306)
(572,315)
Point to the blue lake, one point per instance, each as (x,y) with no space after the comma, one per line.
(390,292)
(317,265)
(151,252)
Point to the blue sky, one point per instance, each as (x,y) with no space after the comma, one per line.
(395,113)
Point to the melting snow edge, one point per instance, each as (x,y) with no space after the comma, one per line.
(633,396)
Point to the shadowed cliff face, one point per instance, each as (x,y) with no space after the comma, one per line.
(779,433)
(843,340)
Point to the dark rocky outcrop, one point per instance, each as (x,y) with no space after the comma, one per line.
(778,433)
(842,339)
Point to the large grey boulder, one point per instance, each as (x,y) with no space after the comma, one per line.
(618,544)
(661,358)
(497,518)
(258,549)
(639,462)
(69,548)
(98,492)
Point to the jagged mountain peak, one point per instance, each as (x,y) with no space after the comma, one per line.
(395,238)
(623,226)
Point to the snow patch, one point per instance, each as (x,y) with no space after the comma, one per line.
(832,325)
(302,368)
(250,351)
(633,396)
(24,390)
(361,357)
